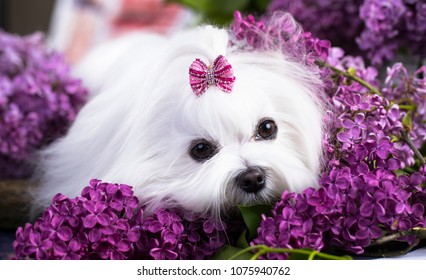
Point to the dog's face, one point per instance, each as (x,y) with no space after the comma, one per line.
(219,149)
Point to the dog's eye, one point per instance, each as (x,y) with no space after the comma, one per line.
(202,150)
(267,130)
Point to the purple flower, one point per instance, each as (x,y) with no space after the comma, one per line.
(279,32)
(38,246)
(350,221)
(375,29)
(96,214)
(166,252)
(355,126)
(335,20)
(38,100)
(106,222)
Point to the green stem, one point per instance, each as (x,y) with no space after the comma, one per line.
(407,107)
(246,250)
(406,137)
(312,255)
(257,255)
(349,76)
(263,249)
(387,254)
(417,231)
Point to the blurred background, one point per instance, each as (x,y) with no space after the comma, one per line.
(378,31)
(25,16)
(74,26)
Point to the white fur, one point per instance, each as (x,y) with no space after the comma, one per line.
(138,129)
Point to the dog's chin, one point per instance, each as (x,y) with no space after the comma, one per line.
(222,203)
(229,209)
(238,197)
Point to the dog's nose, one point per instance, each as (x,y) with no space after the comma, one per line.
(252,180)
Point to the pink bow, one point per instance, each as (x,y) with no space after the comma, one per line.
(202,76)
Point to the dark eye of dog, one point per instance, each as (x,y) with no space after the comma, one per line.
(267,130)
(202,150)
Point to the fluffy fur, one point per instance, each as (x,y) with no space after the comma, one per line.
(138,127)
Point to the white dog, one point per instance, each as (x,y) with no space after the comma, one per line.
(206,151)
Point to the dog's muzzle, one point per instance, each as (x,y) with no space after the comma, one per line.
(251,180)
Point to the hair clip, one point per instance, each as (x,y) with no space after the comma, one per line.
(201,76)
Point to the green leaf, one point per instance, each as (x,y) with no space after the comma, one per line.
(423,149)
(252,216)
(394,138)
(242,241)
(229,251)
(298,256)
(400,172)
(261,5)
(407,121)
(214,6)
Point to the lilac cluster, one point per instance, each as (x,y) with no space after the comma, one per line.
(106,222)
(351,210)
(280,31)
(364,120)
(361,197)
(38,100)
(379,28)
(409,92)
(335,20)
(171,234)
(390,25)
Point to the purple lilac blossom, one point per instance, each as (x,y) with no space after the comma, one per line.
(38,100)
(334,20)
(106,222)
(376,29)
(280,31)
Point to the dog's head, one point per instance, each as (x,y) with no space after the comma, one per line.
(220,149)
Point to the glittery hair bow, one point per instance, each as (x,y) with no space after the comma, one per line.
(201,76)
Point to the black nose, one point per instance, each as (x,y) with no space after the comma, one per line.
(252,180)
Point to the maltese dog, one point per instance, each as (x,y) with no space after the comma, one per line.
(190,121)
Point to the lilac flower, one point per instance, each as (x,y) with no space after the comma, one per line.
(335,20)
(106,222)
(376,29)
(347,218)
(38,246)
(165,252)
(38,100)
(278,32)
(355,126)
